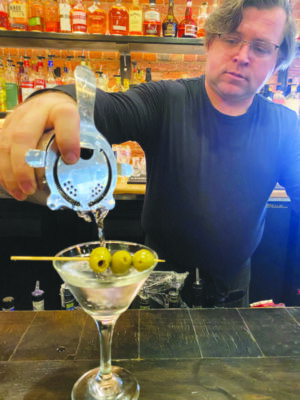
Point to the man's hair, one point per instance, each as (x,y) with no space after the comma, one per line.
(228,17)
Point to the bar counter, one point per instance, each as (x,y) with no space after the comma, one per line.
(205,354)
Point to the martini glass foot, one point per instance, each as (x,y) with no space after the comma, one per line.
(121,385)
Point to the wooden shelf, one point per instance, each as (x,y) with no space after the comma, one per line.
(122,44)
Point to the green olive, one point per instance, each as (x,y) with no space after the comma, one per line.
(100,259)
(121,262)
(143,259)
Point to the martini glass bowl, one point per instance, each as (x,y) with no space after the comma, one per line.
(103,296)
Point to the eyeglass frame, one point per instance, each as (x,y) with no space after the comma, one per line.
(250,43)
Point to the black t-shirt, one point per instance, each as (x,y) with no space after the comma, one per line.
(209,175)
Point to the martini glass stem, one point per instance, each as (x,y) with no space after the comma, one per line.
(105,335)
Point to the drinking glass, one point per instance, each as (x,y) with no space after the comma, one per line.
(103,296)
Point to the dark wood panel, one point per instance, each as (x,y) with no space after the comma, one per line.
(52,336)
(11,331)
(211,379)
(275,331)
(222,333)
(295,312)
(167,334)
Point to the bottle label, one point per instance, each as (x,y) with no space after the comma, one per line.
(17,11)
(152,16)
(79,18)
(119,28)
(39,84)
(151,29)
(34,21)
(135,20)
(169,29)
(64,17)
(93,8)
(11,95)
(190,30)
(38,305)
(26,89)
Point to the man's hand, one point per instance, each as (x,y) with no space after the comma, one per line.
(22,131)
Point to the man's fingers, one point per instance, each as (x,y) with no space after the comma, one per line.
(66,121)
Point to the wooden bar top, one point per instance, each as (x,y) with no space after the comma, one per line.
(206,354)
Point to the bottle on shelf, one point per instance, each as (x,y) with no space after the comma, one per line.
(278,96)
(78,17)
(96,19)
(68,76)
(39,81)
(50,79)
(26,80)
(148,75)
(11,86)
(202,16)
(8,303)
(135,19)
(118,19)
(101,81)
(170,23)
(292,99)
(64,10)
(51,16)
(152,21)
(4,26)
(2,89)
(188,27)
(20,74)
(38,298)
(35,16)
(18,15)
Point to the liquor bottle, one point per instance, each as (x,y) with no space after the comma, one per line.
(135,19)
(278,96)
(292,100)
(20,74)
(148,75)
(96,19)
(11,86)
(18,15)
(26,81)
(35,16)
(203,14)
(50,79)
(3,16)
(39,81)
(68,76)
(101,81)
(51,16)
(187,27)
(8,304)
(2,89)
(169,25)
(38,298)
(64,8)
(78,17)
(152,22)
(118,19)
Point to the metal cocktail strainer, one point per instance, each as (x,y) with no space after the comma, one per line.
(88,184)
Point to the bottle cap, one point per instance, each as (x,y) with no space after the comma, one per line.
(37,294)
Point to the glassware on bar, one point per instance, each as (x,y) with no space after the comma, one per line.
(104,296)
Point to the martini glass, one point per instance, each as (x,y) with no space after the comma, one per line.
(103,296)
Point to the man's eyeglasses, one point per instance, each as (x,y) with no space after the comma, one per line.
(259,48)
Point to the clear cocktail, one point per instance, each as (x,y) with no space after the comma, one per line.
(104,296)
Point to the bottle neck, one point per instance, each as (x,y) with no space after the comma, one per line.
(188,10)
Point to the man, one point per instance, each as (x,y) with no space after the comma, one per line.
(214,148)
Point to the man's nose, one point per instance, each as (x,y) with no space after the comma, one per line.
(243,52)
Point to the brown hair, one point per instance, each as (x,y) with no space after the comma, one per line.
(228,17)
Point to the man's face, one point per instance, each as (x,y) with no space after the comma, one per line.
(234,75)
